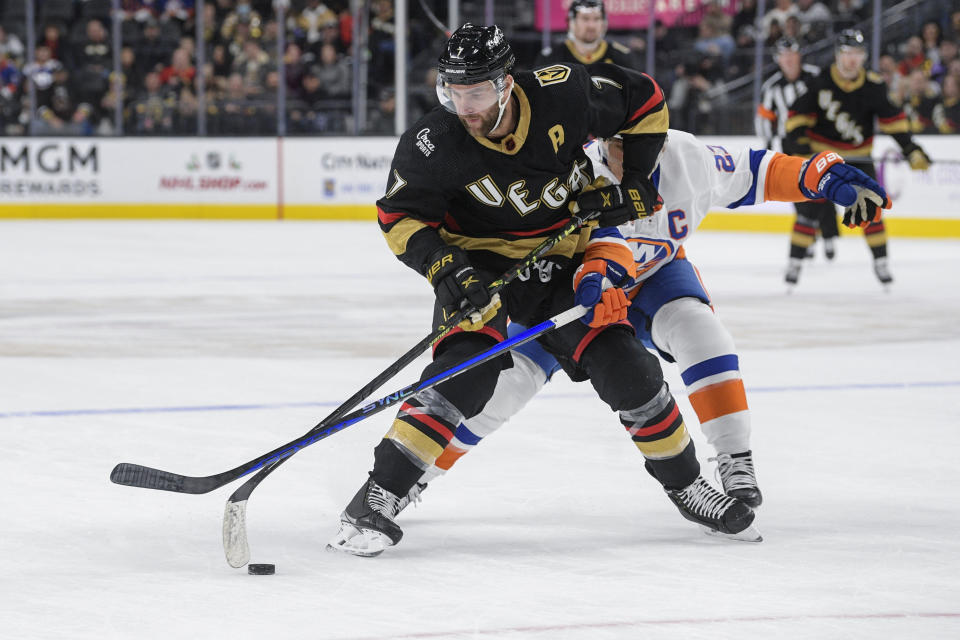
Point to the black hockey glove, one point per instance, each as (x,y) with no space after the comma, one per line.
(917,157)
(457,286)
(635,197)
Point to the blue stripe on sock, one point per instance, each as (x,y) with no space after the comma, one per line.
(711,367)
(466,436)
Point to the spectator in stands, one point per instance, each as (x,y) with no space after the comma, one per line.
(180,73)
(334,73)
(237,114)
(891,76)
(793,30)
(152,51)
(913,56)
(782,10)
(187,44)
(222,64)
(294,65)
(931,35)
(45,73)
(132,76)
(815,19)
(744,27)
(240,25)
(774,34)
(946,115)
(53,40)
(380,118)
(920,98)
(251,64)
(714,37)
(93,52)
(955,25)
(9,78)
(312,19)
(154,108)
(137,10)
(948,53)
(10,45)
(848,13)
(381,43)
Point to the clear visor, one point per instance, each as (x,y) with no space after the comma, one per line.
(468,99)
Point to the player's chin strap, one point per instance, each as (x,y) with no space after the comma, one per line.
(502,101)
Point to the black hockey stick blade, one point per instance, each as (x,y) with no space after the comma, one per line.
(135,475)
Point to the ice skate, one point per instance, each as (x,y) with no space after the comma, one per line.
(830,248)
(738,477)
(793,274)
(716,513)
(412,497)
(882,270)
(366,525)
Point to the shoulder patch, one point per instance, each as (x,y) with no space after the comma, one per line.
(874,77)
(553,74)
(400,183)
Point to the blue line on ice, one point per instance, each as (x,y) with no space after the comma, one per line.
(866,386)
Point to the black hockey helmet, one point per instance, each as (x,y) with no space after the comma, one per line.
(851,39)
(785,44)
(585,5)
(474,54)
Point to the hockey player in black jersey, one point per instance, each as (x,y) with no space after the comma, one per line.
(474,186)
(586,42)
(777,94)
(837,113)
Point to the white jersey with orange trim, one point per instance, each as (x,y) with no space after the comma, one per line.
(692,178)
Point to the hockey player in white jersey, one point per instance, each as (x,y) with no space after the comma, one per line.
(670,308)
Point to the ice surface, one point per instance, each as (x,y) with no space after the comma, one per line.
(194,346)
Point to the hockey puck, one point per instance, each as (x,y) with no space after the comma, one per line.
(261,569)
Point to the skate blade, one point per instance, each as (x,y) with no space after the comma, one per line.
(750,534)
(363,543)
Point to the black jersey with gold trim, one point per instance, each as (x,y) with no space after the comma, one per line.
(608,52)
(498,200)
(838,114)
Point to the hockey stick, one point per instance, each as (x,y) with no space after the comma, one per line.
(235,545)
(135,475)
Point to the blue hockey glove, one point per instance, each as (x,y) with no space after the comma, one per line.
(825,175)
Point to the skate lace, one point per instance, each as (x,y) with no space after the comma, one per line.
(703,499)
(412,497)
(381,500)
(735,473)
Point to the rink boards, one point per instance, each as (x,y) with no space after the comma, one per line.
(341,178)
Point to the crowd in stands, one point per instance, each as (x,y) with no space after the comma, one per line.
(73,68)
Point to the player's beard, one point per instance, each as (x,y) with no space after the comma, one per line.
(481,124)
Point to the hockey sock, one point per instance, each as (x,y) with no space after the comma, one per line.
(876,237)
(803,236)
(691,332)
(658,431)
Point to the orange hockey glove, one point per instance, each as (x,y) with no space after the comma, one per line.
(593,289)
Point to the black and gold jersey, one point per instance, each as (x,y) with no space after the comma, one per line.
(608,52)
(838,114)
(498,200)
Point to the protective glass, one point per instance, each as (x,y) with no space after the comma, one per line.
(467,99)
